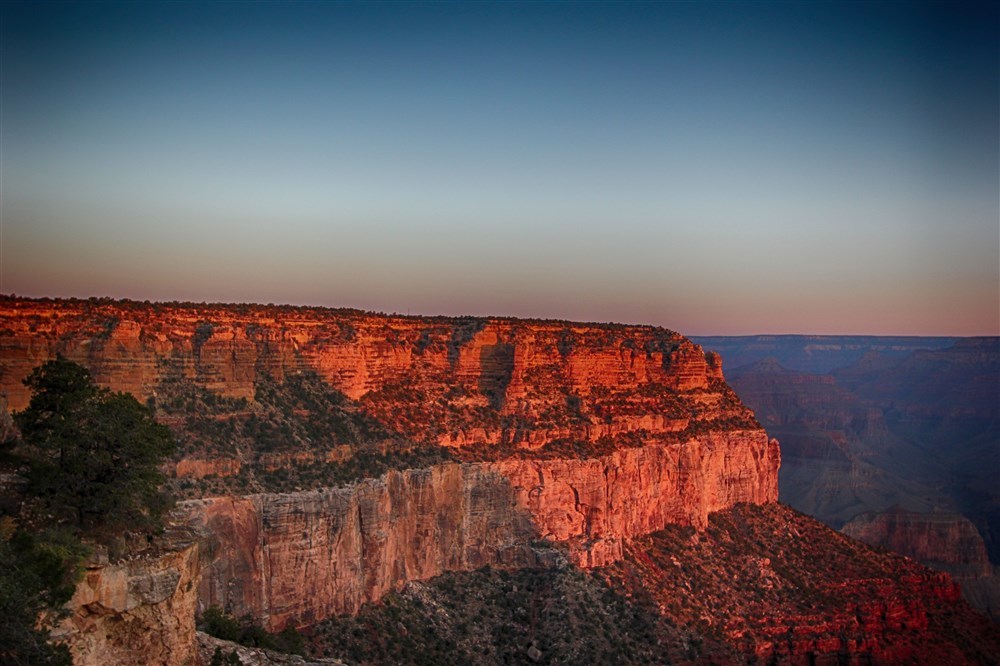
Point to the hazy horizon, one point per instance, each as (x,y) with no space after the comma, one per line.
(713,168)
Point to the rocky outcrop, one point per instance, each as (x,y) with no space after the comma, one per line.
(886,621)
(140,611)
(209,646)
(786,589)
(941,540)
(199,468)
(349,546)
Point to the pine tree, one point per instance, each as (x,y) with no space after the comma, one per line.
(94,453)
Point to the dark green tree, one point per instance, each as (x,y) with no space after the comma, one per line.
(37,574)
(94,453)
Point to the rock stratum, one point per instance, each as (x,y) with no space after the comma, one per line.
(351,545)
(330,458)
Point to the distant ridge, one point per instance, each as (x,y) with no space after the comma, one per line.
(815,353)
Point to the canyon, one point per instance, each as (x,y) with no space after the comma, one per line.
(329,459)
(892,439)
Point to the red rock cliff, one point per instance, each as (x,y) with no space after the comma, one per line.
(349,546)
(582,434)
(450,382)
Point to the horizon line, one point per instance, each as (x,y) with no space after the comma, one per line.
(424,315)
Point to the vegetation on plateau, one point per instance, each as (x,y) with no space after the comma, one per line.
(296,434)
(530,616)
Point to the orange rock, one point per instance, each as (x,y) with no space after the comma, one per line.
(351,545)
(199,468)
(675,442)
(136,612)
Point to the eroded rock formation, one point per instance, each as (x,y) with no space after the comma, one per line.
(448,382)
(564,443)
(351,545)
(140,611)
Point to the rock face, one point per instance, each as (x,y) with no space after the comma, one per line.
(939,539)
(444,382)
(761,584)
(840,458)
(350,546)
(136,612)
(585,435)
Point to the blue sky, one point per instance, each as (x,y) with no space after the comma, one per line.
(713,168)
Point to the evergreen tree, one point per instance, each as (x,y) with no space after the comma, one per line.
(94,453)
(37,574)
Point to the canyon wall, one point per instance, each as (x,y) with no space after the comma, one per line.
(351,545)
(939,539)
(942,540)
(563,436)
(455,382)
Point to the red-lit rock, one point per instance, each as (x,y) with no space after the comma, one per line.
(352,545)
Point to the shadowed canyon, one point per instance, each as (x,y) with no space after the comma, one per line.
(894,440)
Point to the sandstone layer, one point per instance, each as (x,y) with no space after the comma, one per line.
(350,546)
(136,612)
(458,382)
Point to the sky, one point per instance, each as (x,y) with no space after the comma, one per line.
(715,168)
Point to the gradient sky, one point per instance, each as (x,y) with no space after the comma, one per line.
(714,168)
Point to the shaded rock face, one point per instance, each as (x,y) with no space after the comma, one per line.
(892,425)
(896,430)
(840,458)
(942,540)
(349,546)
(947,401)
(136,612)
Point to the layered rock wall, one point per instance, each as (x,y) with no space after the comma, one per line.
(450,382)
(136,612)
(580,435)
(939,539)
(348,546)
